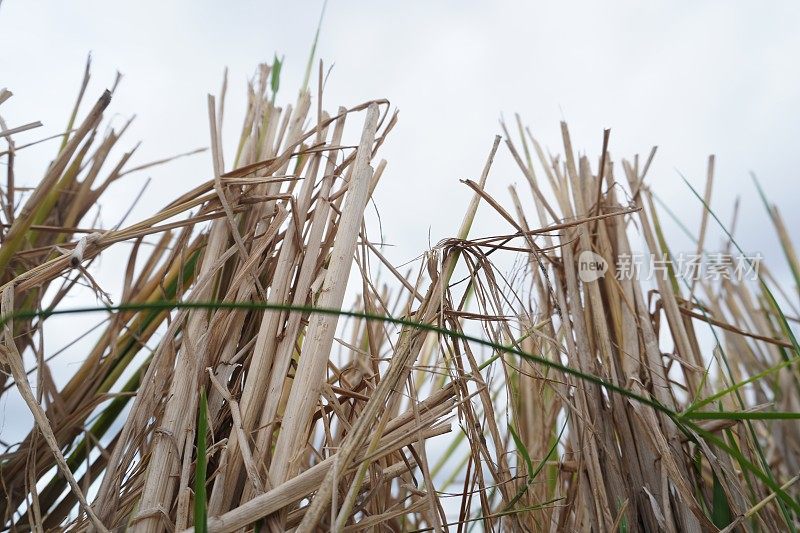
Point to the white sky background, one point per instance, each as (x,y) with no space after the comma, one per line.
(692,77)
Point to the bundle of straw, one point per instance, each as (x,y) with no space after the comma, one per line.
(582,403)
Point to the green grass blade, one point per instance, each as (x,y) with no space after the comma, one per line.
(313,52)
(532,472)
(720,510)
(275,76)
(764,476)
(736,386)
(200,503)
(786,244)
(739,415)
(522,449)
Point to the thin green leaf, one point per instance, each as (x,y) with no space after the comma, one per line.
(275,79)
(200,503)
(720,510)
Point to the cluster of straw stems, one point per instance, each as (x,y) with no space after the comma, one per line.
(261,405)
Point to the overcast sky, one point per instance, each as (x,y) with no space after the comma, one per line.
(692,77)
